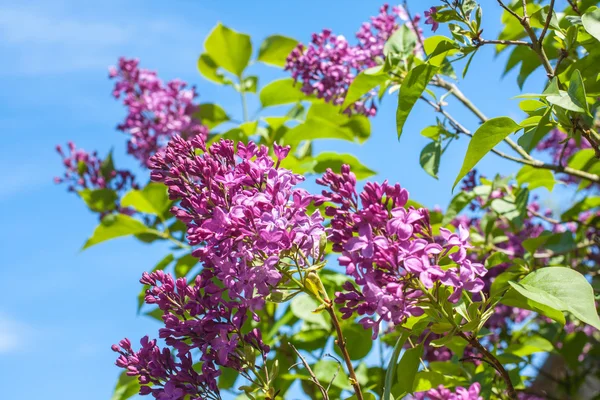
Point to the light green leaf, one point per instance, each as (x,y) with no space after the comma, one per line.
(99,200)
(304,306)
(532,136)
(393,364)
(127,387)
(209,69)
(411,90)
(361,85)
(439,47)
(486,137)
(229,49)
(275,49)
(585,204)
(529,346)
(536,177)
(402,42)
(326,369)
(113,226)
(334,161)
(561,289)
(282,91)
(591,22)
(430,158)
(153,199)
(211,115)
(426,380)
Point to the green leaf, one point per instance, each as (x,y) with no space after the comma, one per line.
(185,264)
(577,91)
(391,370)
(430,158)
(113,226)
(107,167)
(531,345)
(282,91)
(591,22)
(275,49)
(407,370)
(359,340)
(557,242)
(364,82)
(411,90)
(209,69)
(99,200)
(153,199)
(532,136)
(402,42)
(227,378)
(457,204)
(211,115)
(585,204)
(486,137)
(561,289)
(320,163)
(426,380)
(324,121)
(572,348)
(127,387)
(536,177)
(304,306)
(229,49)
(439,47)
(495,259)
(326,369)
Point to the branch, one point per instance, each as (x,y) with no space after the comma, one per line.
(494,362)
(313,378)
(548,20)
(481,42)
(341,342)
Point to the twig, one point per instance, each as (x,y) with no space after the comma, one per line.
(313,377)
(412,23)
(531,161)
(481,42)
(479,359)
(514,14)
(548,20)
(574,6)
(494,362)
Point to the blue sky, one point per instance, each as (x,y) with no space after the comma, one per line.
(61,309)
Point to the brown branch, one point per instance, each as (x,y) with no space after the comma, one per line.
(494,362)
(548,20)
(313,377)
(341,343)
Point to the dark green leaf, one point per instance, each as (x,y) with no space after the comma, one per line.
(211,115)
(457,204)
(577,91)
(407,370)
(359,340)
(486,137)
(393,364)
(430,158)
(411,90)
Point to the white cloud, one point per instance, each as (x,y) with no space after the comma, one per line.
(13,334)
(40,41)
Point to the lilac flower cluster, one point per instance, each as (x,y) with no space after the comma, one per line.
(556,143)
(329,64)
(156,111)
(244,210)
(390,251)
(442,393)
(196,317)
(248,216)
(84,170)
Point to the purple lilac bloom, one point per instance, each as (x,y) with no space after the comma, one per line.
(156,111)
(442,393)
(430,18)
(83,170)
(244,211)
(328,65)
(389,251)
